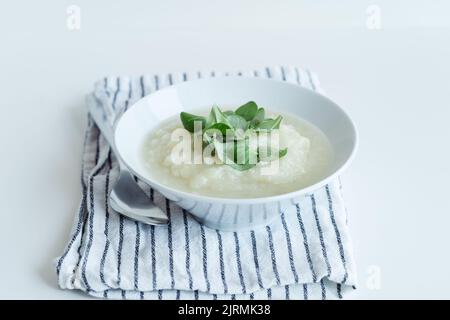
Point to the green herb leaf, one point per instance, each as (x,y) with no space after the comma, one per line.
(217,129)
(269,124)
(245,152)
(210,120)
(219,116)
(241,167)
(188,120)
(235,149)
(236,154)
(237,122)
(259,117)
(282,153)
(248,110)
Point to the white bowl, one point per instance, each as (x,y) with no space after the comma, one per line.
(228,213)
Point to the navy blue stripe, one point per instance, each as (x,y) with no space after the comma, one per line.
(233,297)
(283,74)
(252,296)
(141,81)
(80,226)
(90,225)
(269,75)
(339,290)
(82,209)
(305,291)
(153,255)
(324,292)
(187,249)
(297,76)
(336,231)
(269,294)
(141,295)
(136,256)
(115,94)
(130,93)
(319,229)
(311,80)
(97,147)
(84,203)
(106,231)
(177,297)
(169,78)
(160,295)
(124,294)
(289,247)
(196,294)
(156,82)
(105,85)
(170,245)
(305,243)
(222,265)
(130,90)
(105,294)
(121,221)
(286,289)
(272,253)
(256,260)
(119,250)
(238,261)
(126,105)
(205,258)
(214,296)
(184,76)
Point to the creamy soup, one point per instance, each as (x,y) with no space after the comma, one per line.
(307,160)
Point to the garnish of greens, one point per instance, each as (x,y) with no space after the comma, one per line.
(231,134)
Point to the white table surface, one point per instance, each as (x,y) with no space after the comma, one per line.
(394,82)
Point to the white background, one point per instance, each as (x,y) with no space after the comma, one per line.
(394,82)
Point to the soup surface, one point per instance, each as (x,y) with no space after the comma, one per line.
(307,161)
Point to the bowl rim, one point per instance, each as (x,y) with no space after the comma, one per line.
(211,199)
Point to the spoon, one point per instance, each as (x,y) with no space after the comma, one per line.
(126,197)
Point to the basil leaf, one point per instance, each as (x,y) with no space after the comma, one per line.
(259,117)
(245,152)
(211,120)
(218,129)
(269,124)
(248,110)
(219,116)
(232,121)
(228,154)
(241,167)
(282,153)
(188,120)
(235,149)
(237,122)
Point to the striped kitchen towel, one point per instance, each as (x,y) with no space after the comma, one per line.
(305,254)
